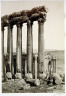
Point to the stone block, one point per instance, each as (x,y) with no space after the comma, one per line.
(42,76)
(18,76)
(57,78)
(28,76)
(10,80)
(8,75)
(37,82)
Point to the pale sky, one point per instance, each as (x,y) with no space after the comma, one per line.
(53,27)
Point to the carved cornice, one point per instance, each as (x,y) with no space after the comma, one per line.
(10,25)
(19,24)
(40,20)
(22,16)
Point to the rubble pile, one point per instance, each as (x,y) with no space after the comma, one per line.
(48,83)
(15,85)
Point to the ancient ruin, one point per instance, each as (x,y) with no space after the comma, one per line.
(18,18)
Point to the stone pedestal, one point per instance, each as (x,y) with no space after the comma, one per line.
(19,51)
(8,75)
(29,46)
(18,76)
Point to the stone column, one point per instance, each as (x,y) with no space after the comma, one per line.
(55,65)
(3,64)
(19,52)
(41,45)
(35,66)
(29,46)
(8,41)
(10,51)
(25,67)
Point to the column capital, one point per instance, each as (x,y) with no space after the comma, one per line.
(19,24)
(29,22)
(10,25)
(41,20)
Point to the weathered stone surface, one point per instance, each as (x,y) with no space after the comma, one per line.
(28,76)
(30,80)
(57,78)
(8,75)
(27,86)
(16,85)
(18,76)
(37,82)
(34,82)
(62,77)
(10,80)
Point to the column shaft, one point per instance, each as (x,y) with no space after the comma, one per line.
(29,46)
(35,66)
(10,47)
(8,41)
(55,65)
(19,49)
(41,45)
(3,64)
(25,67)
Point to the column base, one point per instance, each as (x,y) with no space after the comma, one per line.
(37,82)
(29,76)
(18,76)
(8,75)
(42,75)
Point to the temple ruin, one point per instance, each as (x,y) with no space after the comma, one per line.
(18,18)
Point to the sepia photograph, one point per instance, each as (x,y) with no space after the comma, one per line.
(33,46)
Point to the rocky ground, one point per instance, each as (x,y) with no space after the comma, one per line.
(20,86)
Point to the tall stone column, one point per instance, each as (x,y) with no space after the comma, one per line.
(41,45)
(3,64)
(29,46)
(19,52)
(10,51)
(35,66)
(8,38)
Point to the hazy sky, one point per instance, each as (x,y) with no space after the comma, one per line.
(53,27)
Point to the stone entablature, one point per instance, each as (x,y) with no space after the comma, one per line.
(25,15)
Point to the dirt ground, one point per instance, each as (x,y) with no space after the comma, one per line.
(17,87)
